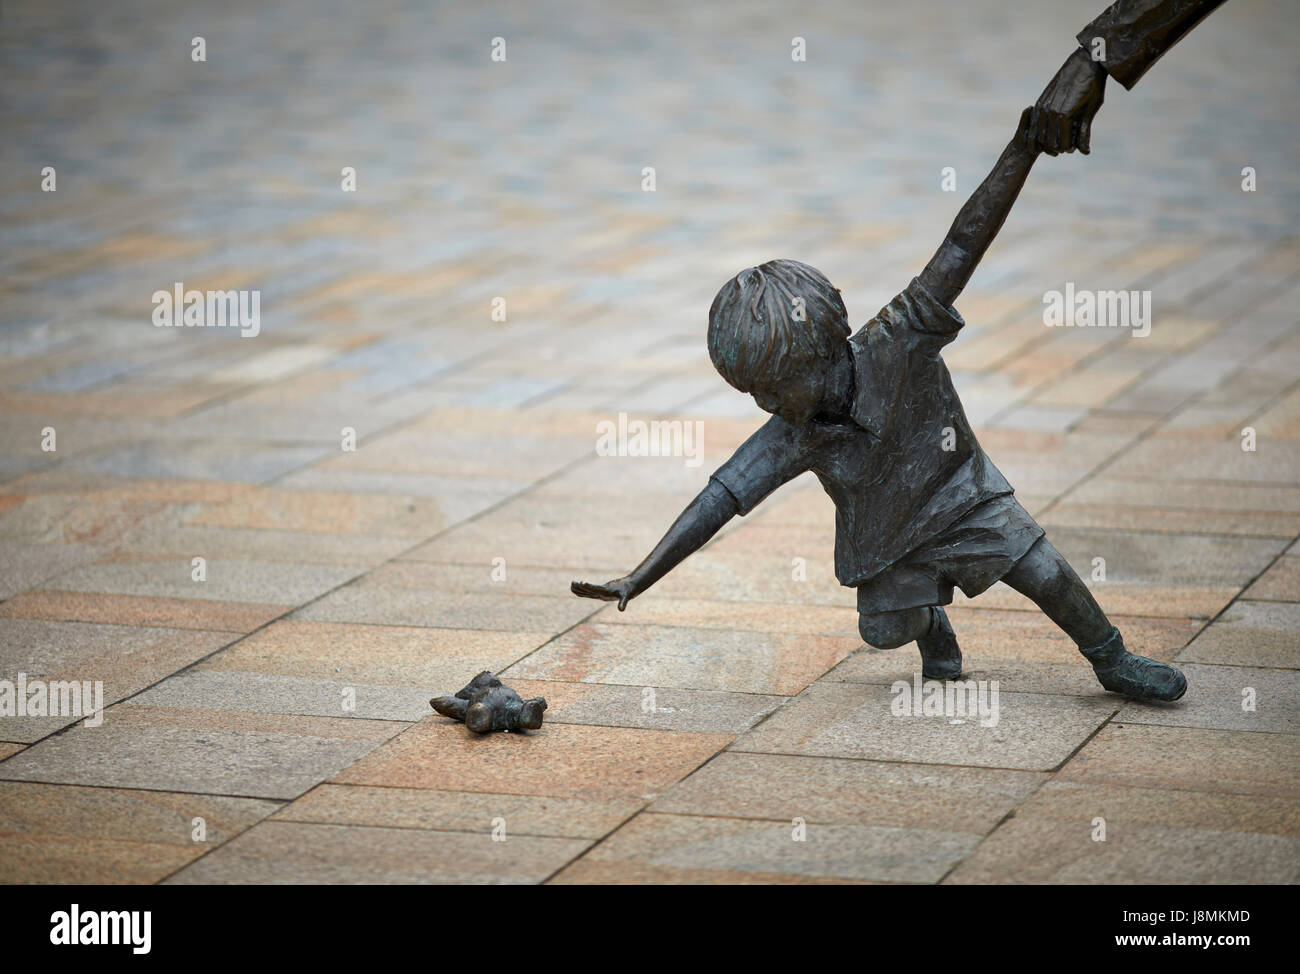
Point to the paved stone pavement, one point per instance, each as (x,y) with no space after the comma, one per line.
(269,723)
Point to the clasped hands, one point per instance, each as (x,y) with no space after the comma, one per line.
(1061,119)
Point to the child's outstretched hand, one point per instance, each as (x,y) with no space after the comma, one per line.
(619,590)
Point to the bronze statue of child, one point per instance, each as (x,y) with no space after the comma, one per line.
(919,506)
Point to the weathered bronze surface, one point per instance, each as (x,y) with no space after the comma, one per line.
(920,508)
(486,705)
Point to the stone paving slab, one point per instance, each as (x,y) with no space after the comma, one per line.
(470,579)
(141,610)
(1109,516)
(200,460)
(459,811)
(333,513)
(368,603)
(117,661)
(568,761)
(1038,851)
(185,750)
(1151,836)
(717,575)
(689,658)
(23,566)
(1034,732)
(1179,559)
(1189,759)
(294,852)
(1281,583)
(586,872)
(662,708)
(1249,634)
(180,542)
(795,619)
(224,581)
(1108,490)
(860,852)
(261,693)
(70,834)
(851,792)
(384,655)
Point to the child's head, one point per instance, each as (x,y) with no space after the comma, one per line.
(774,330)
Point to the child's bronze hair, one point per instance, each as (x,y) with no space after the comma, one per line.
(770,320)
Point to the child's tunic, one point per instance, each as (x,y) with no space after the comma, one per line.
(919,506)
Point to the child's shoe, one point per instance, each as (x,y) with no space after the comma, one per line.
(1119,671)
(940,655)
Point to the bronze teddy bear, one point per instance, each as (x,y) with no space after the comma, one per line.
(485,705)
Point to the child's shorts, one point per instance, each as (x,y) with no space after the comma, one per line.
(971,554)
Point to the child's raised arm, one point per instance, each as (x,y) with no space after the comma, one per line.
(702,519)
(979,220)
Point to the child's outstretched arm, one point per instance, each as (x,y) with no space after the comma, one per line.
(980,219)
(701,520)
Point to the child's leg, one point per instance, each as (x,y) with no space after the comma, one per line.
(928,625)
(1044,576)
(889,630)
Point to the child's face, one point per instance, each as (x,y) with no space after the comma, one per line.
(795,399)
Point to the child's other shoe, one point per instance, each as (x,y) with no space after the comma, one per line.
(940,655)
(1119,671)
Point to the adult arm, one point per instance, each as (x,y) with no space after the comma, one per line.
(1135,34)
(1123,42)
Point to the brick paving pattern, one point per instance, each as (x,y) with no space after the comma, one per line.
(283,699)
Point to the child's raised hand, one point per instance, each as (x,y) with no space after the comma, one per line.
(1025,131)
(619,590)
